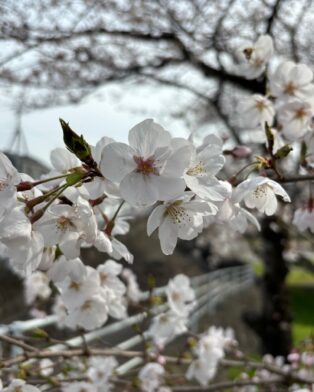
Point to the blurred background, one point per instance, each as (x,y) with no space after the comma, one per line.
(103,66)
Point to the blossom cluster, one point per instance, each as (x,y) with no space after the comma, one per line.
(89,295)
(210,349)
(287,107)
(88,202)
(181,301)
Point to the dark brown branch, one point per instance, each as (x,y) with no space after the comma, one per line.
(273,16)
(284,180)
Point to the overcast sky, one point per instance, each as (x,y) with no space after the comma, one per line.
(93,119)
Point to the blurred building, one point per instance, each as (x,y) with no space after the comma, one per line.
(27,164)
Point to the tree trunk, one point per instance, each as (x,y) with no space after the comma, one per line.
(273,325)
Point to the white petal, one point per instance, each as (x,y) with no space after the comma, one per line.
(177,162)
(97,150)
(147,136)
(271,204)
(120,250)
(103,243)
(168,235)
(154,219)
(168,188)
(117,160)
(63,160)
(139,189)
(70,245)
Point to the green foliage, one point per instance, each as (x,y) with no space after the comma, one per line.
(301,286)
(283,152)
(302,306)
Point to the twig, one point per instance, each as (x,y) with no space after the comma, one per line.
(227,384)
(18,343)
(308,177)
(46,353)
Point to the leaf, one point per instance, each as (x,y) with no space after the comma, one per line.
(283,152)
(74,178)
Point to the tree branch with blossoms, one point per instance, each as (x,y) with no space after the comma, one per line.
(88,199)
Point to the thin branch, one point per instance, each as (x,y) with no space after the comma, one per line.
(46,353)
(273,16)
(308,177)
(227,384)
(17,343)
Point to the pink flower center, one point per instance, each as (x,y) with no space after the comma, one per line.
(146,166)
(290,88)
(300,113)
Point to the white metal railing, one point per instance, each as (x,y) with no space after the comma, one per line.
(210,289)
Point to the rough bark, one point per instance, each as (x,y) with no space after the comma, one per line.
(273,325)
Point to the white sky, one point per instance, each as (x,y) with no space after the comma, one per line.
(93,119)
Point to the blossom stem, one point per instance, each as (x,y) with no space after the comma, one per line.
(18,343)
(39,182)
(37,200)
(243,168)
(59,193)
(110,224)
(117,212)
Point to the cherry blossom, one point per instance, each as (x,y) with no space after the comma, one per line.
(180,295)
(9,178)
(255,111)
(99,184)
(291,80)
(209,351)
(147,170)
(254,57)
(206,161)
(179,218)
(79,386)
(260,192)
(133,291)
(36,285)
(231,213)
(295,119)
(151,376)
(63,160)
(166,326)
(100,370)
(24,244)
(89,315)
(79,283)
(304,217)
(68,226)
(112,288)
(19,385)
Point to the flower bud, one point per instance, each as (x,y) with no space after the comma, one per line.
(24,186)
(241,152)
(37,215)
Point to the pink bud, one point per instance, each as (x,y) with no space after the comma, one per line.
(161,360)
(241,152)
(293,357)
(24,186)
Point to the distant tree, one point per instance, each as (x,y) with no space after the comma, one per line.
(66,50)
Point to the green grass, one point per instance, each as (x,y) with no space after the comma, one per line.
(302,300)
(298,276)
(301,286)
